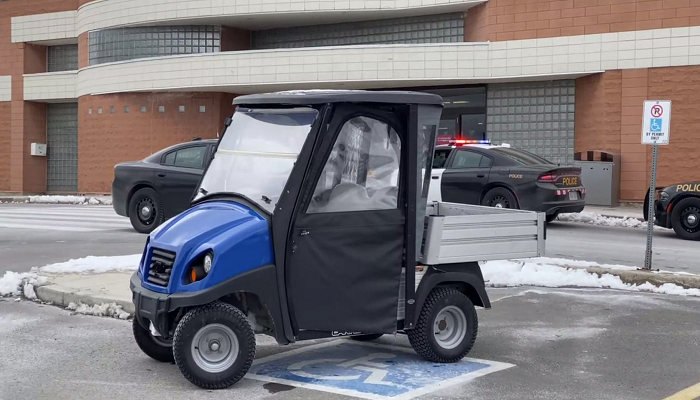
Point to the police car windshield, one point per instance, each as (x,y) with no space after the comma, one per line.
(256,154)
(521,156)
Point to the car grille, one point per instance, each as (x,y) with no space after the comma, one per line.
(162,262)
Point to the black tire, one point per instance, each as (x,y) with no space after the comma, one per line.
(422,337)
(551,217)
(224,315)
(145,197)
(690,206)
(158,349)
(500,195)
(368,337)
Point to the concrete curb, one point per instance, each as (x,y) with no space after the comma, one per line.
(63,296)
(638,277)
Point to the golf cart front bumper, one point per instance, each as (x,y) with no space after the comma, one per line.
(151,307)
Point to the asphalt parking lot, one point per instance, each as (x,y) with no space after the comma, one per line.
(534,344)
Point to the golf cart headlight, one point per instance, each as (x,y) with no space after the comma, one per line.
(207,263)
(663,196)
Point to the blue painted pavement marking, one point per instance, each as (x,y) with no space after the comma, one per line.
(367,370)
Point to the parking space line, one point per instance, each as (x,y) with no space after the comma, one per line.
(689,393)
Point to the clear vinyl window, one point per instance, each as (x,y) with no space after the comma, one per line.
(362,172)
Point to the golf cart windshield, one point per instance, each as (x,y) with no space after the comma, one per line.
(256,154)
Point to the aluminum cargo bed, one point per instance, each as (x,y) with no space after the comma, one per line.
(456,233)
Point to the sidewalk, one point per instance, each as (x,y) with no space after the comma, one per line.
(45,199)
(108,294)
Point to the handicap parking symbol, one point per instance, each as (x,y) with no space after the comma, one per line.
(367,370)
(656,124)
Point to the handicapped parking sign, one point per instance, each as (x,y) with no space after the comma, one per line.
(367,370)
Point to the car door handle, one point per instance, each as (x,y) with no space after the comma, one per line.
(480,175)
(161,174)
(436,177)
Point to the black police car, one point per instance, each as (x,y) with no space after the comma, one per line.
(677,207)
(160,186)
(476,172)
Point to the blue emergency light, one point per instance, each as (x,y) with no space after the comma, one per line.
(461,142)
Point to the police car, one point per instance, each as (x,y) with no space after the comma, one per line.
(477,172)
(677,207)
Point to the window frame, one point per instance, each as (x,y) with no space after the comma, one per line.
(484,156)
(187,147)
(335,133)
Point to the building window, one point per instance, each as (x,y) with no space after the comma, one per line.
(182,109)
(442,28)
(112,45)
(62,58)
(202,109)
(161,108)
(143,109)
(126,109)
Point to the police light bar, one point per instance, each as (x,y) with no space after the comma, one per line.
(461,142)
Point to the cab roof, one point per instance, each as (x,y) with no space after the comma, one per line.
(309,97)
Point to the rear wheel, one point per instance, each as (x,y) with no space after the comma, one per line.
(153,346)
(367,337)
(551,217)
(145,210)
(685,218)
(499,197)
(214,345)
(447,326)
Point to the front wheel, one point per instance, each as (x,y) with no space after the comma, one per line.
(153,346)
(685,218)
(447,326)
(214,345)
(145,210)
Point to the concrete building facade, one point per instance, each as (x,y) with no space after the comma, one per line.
(105,81)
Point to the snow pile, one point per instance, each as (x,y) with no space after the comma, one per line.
(600,220)
(70,200)
(101,310)
(20,284)
(94,264)
(528,273)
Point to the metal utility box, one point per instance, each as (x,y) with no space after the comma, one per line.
(600,174)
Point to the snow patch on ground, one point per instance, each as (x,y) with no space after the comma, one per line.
(70,200)
(600,220)
(20,284)
(528,273)
(94,264)
(102,310)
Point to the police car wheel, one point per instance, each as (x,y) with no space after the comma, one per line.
(367,337)
(500,197)
(446,328)
(214,345)
(155,347)
(685,218)
(145,211)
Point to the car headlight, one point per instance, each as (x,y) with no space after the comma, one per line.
(207,263)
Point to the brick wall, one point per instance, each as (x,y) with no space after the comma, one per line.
(528,19)
(24,126)
(107,139)
(5,110)
(609,110)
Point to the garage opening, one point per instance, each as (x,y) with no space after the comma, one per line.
(62,148)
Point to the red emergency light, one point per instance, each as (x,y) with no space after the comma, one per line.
(462,142)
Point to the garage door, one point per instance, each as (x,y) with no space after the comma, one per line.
(534,116)
(62,147)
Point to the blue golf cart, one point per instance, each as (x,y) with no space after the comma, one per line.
(311,222)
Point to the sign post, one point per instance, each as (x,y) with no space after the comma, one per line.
(656,130)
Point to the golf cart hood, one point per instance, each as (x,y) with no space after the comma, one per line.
(237,236)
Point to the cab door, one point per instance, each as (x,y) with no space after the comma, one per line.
(465,178)
(347,240)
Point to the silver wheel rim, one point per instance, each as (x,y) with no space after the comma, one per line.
(450,327)
(215,348)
